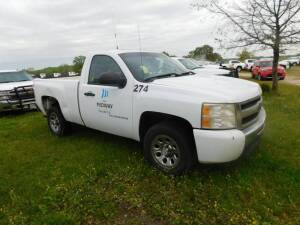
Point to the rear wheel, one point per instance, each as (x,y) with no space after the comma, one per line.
(169,148)
(56,122)
(239,69)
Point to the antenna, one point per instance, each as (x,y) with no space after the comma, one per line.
(140,43)
(139,34)
(117,45)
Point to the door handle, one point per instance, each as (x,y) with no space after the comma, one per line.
(89,94)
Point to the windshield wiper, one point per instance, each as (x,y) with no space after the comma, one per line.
(162,76)
(169,75)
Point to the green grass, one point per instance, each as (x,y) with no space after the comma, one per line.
(94,178)
(294,72)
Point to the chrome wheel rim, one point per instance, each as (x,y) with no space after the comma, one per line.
(54,122)
(165,151)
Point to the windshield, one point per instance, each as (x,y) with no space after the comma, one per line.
(144,65)
(189,64)
(266,64)
(9,77)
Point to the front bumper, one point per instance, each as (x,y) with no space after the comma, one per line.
(20,98)
(228,145)
(14,106)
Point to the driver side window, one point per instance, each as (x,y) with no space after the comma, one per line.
(101,65)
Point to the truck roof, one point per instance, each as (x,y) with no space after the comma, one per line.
(116,52)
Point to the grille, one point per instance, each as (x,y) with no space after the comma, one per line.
(21,96)
(249,111)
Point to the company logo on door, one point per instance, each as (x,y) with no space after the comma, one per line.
(104,93)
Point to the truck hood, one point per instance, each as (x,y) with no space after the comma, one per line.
(215,88)
(211,71)
(10,86)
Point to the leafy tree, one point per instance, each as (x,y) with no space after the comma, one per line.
(205,52)
(270,24)
(245,54)
(78,63)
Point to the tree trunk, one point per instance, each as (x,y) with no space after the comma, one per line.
(275,69)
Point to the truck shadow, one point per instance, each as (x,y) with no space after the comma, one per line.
(135,148)
(15,113)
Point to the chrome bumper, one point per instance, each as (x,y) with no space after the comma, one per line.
(15,105)
(19,98)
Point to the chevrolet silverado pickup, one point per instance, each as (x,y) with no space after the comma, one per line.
(179,117)
(16,91)
(190,64)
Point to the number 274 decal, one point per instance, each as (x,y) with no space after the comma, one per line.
(140,88)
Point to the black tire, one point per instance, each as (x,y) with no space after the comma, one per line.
(239,69)
(56,122)
(170,138)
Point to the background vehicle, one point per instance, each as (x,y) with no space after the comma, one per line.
(203,70)
(263,70)
(285,64)
(233,64)
(180,118)
(249,64)
(16,91)
(294,61)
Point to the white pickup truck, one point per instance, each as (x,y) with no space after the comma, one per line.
(16,91)
(233,64)
(180,117)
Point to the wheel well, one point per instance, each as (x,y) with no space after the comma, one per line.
(149,119)
(49,102)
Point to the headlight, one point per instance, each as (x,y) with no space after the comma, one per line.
(218,116)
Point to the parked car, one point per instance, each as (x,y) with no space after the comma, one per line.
(263,69)
(16,91)
(233,64)
(43,75)
(285,64)
(73,74)
(179,117)
(207,64)
(294,61)
(249,64)
(190,64)
(56,75)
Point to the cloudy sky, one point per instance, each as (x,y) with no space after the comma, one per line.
(39,33)
(51,32)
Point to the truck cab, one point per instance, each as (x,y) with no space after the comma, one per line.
(179,117)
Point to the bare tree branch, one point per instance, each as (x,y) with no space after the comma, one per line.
(271,24)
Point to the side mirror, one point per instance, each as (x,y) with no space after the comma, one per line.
(113,79)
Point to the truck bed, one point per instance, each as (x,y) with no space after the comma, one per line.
(65,91)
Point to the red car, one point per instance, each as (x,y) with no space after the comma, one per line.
(262,70)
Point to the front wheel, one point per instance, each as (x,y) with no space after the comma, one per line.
(239,69)
(169,148)
(56,122)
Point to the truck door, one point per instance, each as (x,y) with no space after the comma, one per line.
(103,106)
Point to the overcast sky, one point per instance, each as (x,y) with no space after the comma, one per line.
(39,33)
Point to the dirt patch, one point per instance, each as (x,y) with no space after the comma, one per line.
(292,80)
